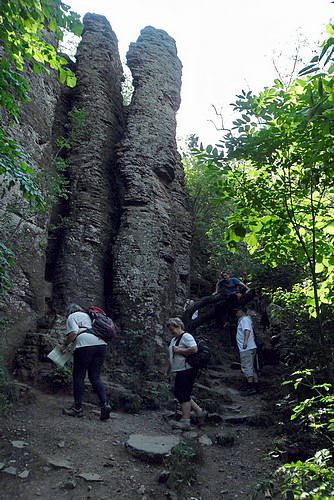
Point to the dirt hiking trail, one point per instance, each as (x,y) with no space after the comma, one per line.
(45,454)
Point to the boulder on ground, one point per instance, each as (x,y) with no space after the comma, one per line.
(151,448)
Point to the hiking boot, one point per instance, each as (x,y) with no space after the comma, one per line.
(202,416)
(105,411)
(73,412)
(184,424)
(249,392)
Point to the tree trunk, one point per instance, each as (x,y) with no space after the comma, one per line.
(217,302)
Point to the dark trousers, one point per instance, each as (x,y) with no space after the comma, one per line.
(226,306)
(184,383)
(89,359)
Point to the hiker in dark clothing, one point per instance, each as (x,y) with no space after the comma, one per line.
(88,356)
(230,290)
(229,286)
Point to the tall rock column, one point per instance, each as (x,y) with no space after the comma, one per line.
(85,256)
(151,252)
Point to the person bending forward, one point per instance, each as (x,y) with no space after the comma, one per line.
(89,355)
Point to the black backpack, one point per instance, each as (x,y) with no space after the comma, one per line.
(201,358)
(102,326)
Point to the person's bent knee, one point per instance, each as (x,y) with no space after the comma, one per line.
(183,400)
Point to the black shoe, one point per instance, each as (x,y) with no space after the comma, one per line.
(73,412)
(105,411)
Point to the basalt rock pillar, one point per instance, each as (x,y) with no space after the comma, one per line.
(84,260)
(151,252)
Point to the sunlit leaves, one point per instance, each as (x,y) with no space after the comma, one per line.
(281,181)
(22,36)
(23,39)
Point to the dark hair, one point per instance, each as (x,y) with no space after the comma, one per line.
(72,308)
(241,308)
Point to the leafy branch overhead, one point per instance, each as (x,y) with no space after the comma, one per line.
(24,38)
(29,33)
(277,167)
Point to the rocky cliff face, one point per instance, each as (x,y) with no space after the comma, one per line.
(83,263)
(23,231)
(151,253)
(125,232)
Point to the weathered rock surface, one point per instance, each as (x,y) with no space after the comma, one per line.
(23,231)
(60,463)
(151,448)
(90,476)
(123,237)
(84,260)
(151,254)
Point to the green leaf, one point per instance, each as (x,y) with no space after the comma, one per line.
(252,240)
(52,25)
(71,80)
(62,75)
(329,229)
(319,267)
(77,28)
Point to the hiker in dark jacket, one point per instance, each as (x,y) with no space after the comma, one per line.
(230,290)
(229,286)
(88,356)
(181,345)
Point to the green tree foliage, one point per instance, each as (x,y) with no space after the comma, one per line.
(312,479)
(25,26)
(277,167)
(23,38)
(210,215)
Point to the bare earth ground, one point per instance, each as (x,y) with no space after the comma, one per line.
(91,446)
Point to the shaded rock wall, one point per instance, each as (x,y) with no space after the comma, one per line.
(124,241)
(151,254)
(85,258)
(23,231)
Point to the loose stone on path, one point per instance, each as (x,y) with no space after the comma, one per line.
(151,448)
(60,464)
(90,476)
(19,444)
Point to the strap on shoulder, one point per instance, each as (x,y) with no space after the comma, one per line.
(179,339)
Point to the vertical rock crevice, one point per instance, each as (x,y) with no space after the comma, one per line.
(84,258)
(125,230)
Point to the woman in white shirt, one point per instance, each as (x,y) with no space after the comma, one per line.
(88,356)
(181,345)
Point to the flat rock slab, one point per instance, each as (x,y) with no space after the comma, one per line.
(205,440)
(237,419)
(59,463)
(19,444)
(10,470)
(90,476)
(24,474)
(258,420)
(151,448)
